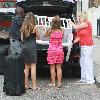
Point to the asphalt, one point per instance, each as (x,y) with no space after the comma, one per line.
(97,60)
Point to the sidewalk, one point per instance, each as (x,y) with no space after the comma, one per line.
(97,60)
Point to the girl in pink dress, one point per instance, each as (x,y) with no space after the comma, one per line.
(55,54)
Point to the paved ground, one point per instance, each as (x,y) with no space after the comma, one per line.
(69,91)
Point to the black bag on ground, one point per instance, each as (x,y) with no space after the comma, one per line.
(3,53)
(14,75)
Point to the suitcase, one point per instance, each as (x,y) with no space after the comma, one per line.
(3,53)
(14,75)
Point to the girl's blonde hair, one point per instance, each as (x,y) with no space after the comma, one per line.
(56,22)
(28,25)
(83,15)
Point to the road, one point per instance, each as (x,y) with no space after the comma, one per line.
(69,91)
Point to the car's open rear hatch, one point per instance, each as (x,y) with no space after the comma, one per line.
(49,7)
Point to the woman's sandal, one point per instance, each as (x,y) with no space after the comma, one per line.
(36,88)
(28,88)
(51,85)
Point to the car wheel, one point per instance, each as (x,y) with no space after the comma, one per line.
(76,70)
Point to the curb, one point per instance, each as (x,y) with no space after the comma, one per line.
(96,76)
(96,61)
(98,84)
(98,37)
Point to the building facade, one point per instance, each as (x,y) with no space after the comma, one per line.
(94,3)
(83,5)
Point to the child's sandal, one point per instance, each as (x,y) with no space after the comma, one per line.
(36,88)
(59,85)
(51,85)
(28,88)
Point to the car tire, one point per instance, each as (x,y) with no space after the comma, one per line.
(76,70)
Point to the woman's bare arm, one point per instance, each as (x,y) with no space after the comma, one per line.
(79,26)
(62,31)
(76,40)
(37,33)
(48,32)
(21,36)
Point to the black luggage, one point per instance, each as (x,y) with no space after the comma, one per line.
(4,45)
(3,53)
(14,75)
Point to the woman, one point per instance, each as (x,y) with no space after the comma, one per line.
(15,34)
(84,36)
(55,51)
(29,52)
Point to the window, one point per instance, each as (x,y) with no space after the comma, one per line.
(94,3)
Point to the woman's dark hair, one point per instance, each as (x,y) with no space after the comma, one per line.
(19,11)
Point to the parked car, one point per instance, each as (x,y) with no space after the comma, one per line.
(48,9)
(5,20)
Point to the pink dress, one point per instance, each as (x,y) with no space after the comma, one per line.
(55,50)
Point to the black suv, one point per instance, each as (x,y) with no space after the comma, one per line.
(51,8)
